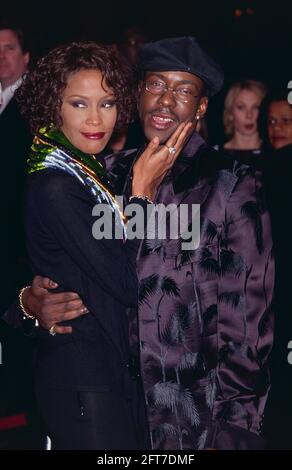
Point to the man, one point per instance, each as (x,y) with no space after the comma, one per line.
(15,141)
(14,58)
(204,315)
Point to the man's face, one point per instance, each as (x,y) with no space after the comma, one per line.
(174,97)
(13,61)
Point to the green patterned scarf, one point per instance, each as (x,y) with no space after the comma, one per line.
(51,149)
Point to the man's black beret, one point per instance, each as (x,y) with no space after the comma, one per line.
(185,55)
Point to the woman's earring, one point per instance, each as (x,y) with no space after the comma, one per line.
(197,117)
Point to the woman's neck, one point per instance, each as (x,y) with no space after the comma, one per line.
(244,142)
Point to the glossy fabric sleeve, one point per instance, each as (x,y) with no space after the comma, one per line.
(245,319)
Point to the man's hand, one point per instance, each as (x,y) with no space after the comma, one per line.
(52,308)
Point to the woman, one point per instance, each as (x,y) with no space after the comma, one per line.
(279,120)
(75,98)
(240,117)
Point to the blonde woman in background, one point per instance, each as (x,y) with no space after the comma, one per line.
(240,117)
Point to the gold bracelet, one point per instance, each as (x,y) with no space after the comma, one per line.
(141,196)
(25,313)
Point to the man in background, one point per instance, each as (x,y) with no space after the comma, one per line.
(15,140)
(16,398)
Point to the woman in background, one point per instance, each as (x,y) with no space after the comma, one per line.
(240,118)
(279,120)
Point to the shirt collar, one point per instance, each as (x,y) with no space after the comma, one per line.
(7,94)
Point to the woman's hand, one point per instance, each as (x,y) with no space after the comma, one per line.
(156,160)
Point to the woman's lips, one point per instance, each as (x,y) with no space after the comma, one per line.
(93,135)
(279,138)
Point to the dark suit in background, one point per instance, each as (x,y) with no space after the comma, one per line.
(15,140)
(15,370)
(278,422)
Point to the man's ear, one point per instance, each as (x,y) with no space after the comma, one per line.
(202,108)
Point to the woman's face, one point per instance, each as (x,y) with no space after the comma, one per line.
(88,111)
(245,112)
(280,124)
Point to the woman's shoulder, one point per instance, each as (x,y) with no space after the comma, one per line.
(51,184)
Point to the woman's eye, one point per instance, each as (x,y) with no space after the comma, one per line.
(78,104)
(108,104)
(287,121)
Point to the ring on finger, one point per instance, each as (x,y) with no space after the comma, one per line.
(171,150)
(52,330)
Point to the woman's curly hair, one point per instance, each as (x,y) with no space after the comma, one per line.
(41,93)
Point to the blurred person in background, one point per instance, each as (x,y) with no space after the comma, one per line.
(16,396)
(15,141)
(240,118)
(279,120)
(277,116)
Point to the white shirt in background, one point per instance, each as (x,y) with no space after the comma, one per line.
(7,94)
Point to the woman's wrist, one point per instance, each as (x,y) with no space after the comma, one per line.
(145,190)
(22,303)
(144,197)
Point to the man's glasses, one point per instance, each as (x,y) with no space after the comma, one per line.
(181,93)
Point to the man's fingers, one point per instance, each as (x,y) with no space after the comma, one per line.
(182,139)
(172,141)
(151,148)
(60,313)
(61,298)
(44,283)
(178,138)
(71,306)
(70,313)
(53,322)
(62,330)
(177,141)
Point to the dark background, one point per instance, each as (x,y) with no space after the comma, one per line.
(257,43)
(250,39)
